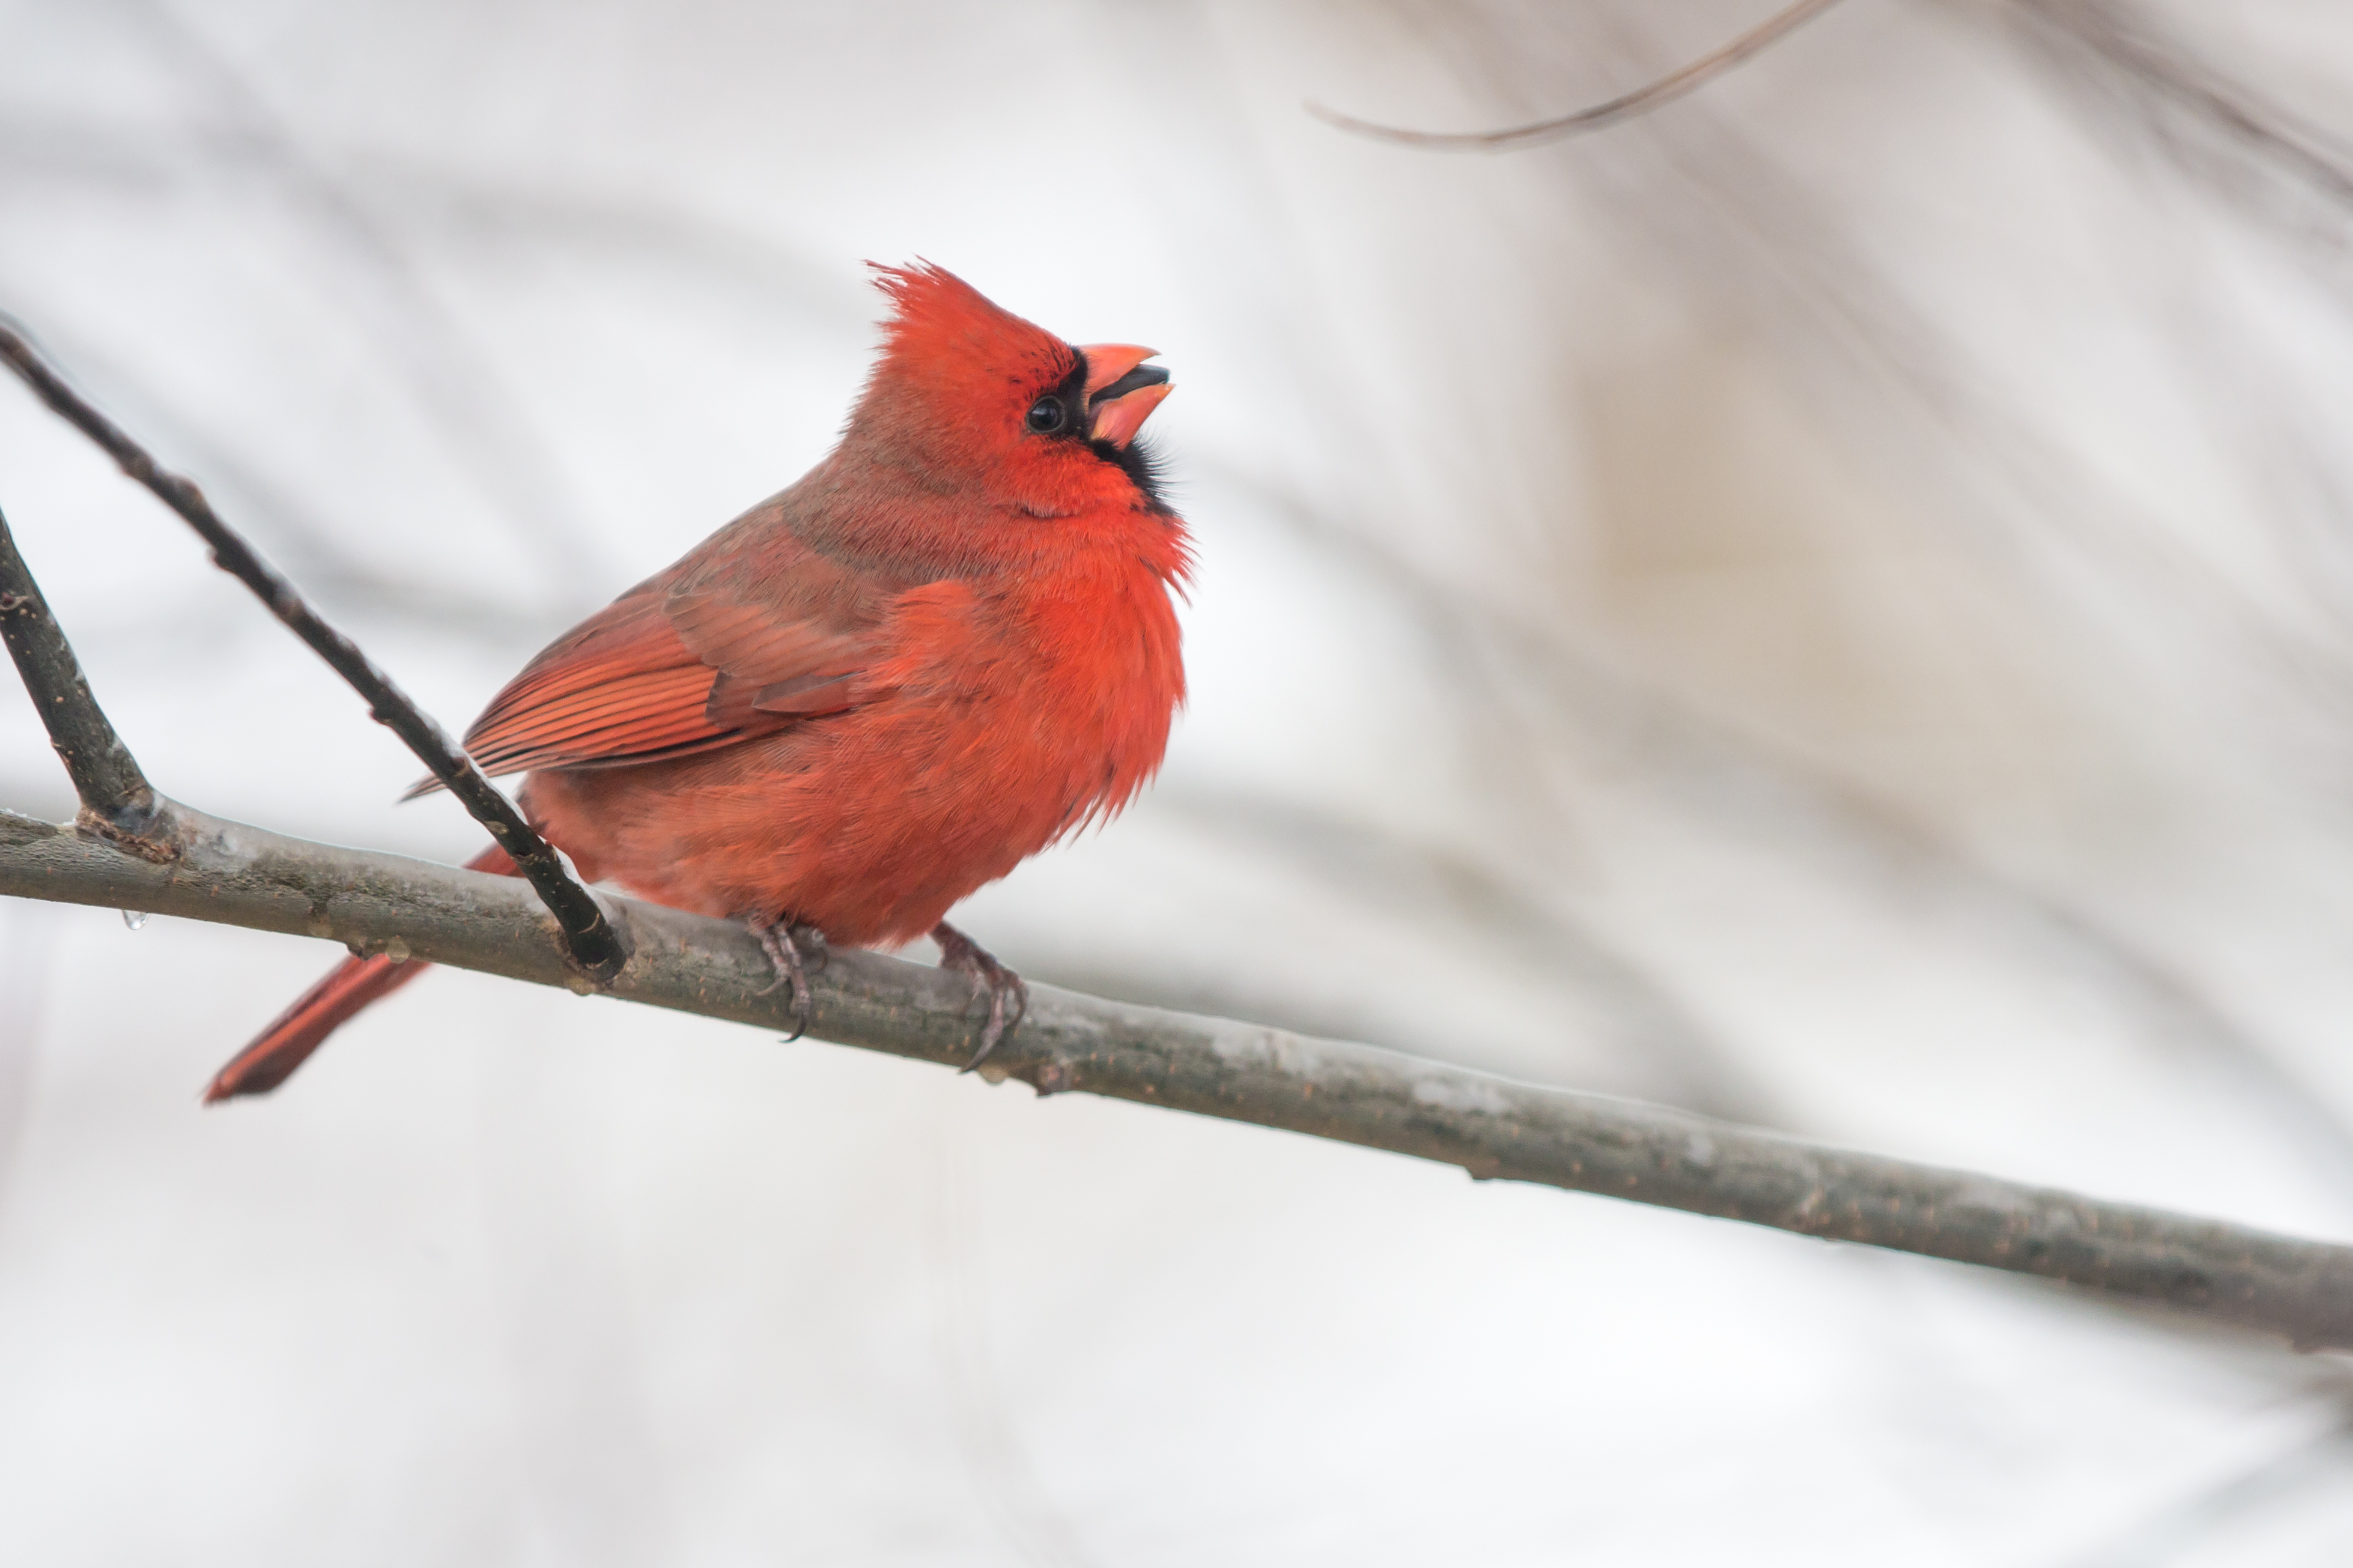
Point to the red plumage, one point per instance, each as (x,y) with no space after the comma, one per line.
(949,645)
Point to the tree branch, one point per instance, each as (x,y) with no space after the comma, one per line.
(116,799)
(1491,1127)
(1642,100)
(586,937)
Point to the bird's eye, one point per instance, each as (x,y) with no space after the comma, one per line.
(1047,416)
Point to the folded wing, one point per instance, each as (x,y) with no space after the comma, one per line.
(665,672)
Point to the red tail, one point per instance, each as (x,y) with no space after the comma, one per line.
(319,1012)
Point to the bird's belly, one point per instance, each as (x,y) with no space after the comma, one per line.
(869,825)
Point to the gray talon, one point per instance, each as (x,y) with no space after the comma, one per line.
(990,978)
(782,940)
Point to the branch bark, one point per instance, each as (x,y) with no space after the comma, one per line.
(1494,1128)
(591,943)
(116,798)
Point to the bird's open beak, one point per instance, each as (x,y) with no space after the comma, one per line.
(1122,390)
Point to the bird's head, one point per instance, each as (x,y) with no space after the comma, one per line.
(971,401)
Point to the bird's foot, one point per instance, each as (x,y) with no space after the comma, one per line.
(1008,995)
(794,951)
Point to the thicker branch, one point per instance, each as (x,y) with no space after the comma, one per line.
(1491,1127)
(590,941)
(116,799)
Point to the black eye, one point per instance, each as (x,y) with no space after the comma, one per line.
(1047,416)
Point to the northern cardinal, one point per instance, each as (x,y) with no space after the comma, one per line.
(948,646)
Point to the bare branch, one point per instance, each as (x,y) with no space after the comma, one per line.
(1642,100)
(1491,1127)
(588,939)
(116,798)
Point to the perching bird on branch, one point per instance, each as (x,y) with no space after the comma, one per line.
(948,646)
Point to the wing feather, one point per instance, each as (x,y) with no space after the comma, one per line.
(663,673)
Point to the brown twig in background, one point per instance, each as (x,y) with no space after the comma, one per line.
(1494,1128)
(2167,77)
(116,798)
(1642,100)
(589,938)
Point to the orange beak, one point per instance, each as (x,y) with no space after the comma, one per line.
(1122,390)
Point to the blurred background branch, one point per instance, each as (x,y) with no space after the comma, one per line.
(1642,100)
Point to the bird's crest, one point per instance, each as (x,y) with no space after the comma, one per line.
(945,337)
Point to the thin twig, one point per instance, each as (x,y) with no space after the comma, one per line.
(590,941)
(1642,100)
(116,798)
(1491,1127)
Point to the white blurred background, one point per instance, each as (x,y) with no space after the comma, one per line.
(1831,604)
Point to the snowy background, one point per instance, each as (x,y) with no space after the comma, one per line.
(1831,604)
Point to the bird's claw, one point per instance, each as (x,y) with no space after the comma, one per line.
(781,940)
(1008,993)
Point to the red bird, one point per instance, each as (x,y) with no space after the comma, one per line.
(948,646)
